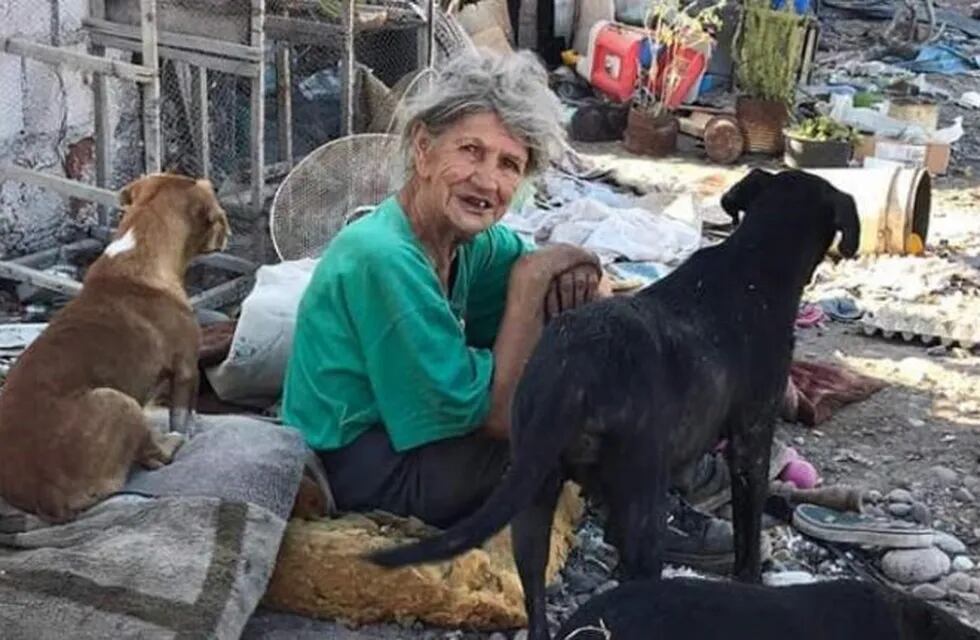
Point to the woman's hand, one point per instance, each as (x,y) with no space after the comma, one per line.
(535,273)
(571,289)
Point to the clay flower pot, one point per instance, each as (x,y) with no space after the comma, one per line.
(649,134)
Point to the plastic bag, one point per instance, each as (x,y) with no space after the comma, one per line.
(252,373)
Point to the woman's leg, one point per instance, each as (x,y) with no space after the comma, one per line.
(438,483)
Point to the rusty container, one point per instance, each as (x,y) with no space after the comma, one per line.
(762,123)
(650,135)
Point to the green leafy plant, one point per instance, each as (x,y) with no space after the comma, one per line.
(769,48)
(823,129)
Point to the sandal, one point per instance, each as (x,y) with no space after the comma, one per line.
(857,528)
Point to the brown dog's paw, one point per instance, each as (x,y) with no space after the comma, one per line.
(160,450)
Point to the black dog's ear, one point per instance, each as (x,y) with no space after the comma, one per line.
(846,221)
(743,192)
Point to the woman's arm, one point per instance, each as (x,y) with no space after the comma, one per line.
(542,284)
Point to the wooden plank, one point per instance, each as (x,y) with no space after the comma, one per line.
(690,127)
(64,186)
(227,262)
(199,118)
(197,44)
(430,29)
(46,258)
(299,31)
(347,69)
(76,60)
(152,140)
(257,111)
(49,281)
(224,65)
(103,127)
(310,32)
(284,102)
(224,294)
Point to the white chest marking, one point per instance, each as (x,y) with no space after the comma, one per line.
(122,245)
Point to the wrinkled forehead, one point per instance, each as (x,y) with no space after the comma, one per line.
(488,129)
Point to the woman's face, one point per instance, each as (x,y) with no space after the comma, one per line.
(470,172)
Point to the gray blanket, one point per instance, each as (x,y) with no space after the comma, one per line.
(184,552)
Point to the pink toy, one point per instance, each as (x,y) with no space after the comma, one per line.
(800,473)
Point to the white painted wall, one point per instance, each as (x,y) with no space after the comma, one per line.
(43,110)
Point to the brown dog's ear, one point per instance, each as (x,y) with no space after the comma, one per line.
(846,221)
(742,193)
(127,195)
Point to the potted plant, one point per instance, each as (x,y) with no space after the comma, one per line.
(769,48)
(818,141)
(651,126)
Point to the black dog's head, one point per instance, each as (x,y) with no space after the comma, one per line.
(793,187)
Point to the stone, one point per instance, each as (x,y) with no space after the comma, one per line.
(608,585)
(962,563)
(964,495)
(966,598)
(975,585)
(521,635)
(496,635)
(920,513)
(913,566)
(11,79)
(899,495)
(581,581)
(944,475)
(51,94)
(875,512)
(899,509)
(929,591)
(873,496)
(959,582)
(972,483)
(788,578)
(948,543)
(321,573)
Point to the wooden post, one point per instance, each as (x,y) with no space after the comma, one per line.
(103,126)
(431,31)
(347,70)
(199,115)
(284,107)
(152,142)
(258,109)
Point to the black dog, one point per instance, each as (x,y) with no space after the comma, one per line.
(709,610)
(624,394)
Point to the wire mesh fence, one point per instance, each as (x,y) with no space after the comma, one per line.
(47,113)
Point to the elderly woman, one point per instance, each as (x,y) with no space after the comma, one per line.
(416,325)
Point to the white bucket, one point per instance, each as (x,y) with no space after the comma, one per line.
(893,204)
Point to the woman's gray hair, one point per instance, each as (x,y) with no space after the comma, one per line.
(514,86)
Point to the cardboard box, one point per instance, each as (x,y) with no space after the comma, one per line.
(932,156)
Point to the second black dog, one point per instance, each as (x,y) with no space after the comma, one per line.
(624,394)
(712,610)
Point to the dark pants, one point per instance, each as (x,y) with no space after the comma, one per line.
(439,483)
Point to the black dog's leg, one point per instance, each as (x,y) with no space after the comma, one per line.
(635,486)
(749,464)
(531,538)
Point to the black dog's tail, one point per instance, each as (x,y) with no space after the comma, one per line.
(544,420)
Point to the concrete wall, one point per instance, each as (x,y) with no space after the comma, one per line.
(46,123)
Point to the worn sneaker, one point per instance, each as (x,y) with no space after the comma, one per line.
(710,485)
(697,540)
(858,528)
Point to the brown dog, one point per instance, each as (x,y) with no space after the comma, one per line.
(71,413)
